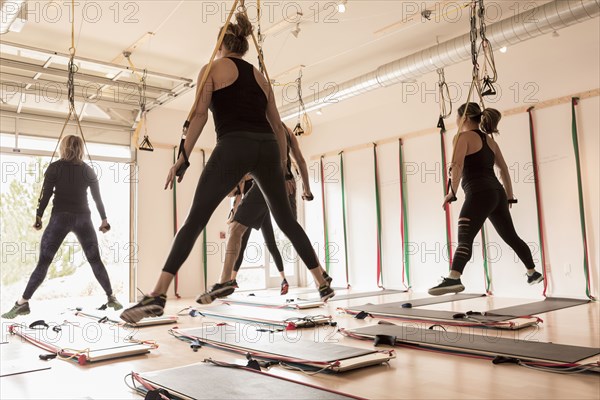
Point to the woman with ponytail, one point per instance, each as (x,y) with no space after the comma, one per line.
(250,139)
(475,154)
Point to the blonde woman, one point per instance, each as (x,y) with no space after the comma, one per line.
(68,179)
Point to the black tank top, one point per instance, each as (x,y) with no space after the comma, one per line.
(242,105)
(478,172)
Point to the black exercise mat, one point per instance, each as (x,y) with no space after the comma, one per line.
(276,344)
(359,295)
(203,381)
(540,307)
(436,300)
(481,344)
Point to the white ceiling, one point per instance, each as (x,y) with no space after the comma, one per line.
(333,46)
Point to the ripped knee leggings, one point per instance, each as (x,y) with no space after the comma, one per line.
(478,207)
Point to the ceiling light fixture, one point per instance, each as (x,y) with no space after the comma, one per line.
(555,34)
(503,49)
(342,6)
(319,112)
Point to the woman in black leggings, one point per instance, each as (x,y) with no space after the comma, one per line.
(475,154)
(254,213)
(68,179)
(250,139)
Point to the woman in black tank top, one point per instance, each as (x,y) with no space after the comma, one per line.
(475,155)
(250,139)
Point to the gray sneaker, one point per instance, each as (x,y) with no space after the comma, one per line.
(18,309)
(113,303)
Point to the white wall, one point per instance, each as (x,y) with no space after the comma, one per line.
(527,75)
(155,208)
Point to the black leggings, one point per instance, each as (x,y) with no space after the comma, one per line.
(60,225)
(479,206)
(269,235)
(235,155)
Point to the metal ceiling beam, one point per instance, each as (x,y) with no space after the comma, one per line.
(20,65)
(97,62)
(89,123)
(12,78)
(55,94)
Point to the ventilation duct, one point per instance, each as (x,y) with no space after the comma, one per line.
(550,17)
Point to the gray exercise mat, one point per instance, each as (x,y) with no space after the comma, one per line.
(203,381)
(358,295)
(481,344)
(276,344)
(264,316)
(396,310)
(540,307)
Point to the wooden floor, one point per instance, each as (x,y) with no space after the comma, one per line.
(413,374)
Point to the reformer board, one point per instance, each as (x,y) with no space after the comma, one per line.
(481,344)
(84,343)
(113,317)
(395,310)
(216,383)
(359,295)
(271,317)
(276,346)
(294,303)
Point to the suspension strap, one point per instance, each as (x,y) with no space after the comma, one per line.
(486,262)
(538,198)
(344,218)
(175,226)
(588,291)
(378,210)
(403,217)
(72,70)
(324,207)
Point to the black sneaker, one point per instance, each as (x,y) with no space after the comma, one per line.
(149,306)
(534,278)
(18,309)
(285,287)
(447,286)
(217,291)
(327,278)
(326,292)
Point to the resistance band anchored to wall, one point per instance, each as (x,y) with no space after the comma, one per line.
(574,103)
(175,222)
(538,197)
(344,218)
(324,206)
(403,217)
(378,211)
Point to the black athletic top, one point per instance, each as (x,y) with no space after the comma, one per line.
(68,182)
(241,106)
(478,172)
